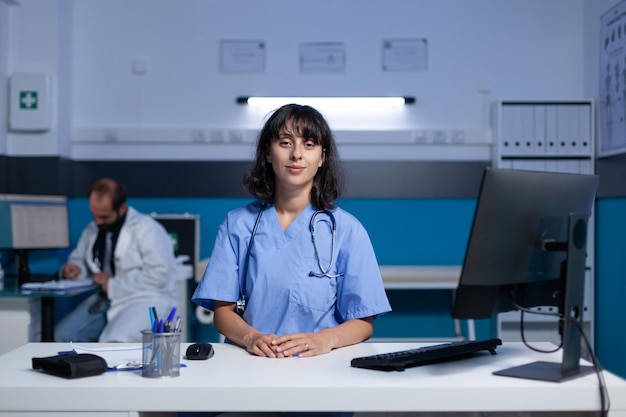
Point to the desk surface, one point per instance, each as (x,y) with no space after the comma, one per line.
(233,380)
(11,290)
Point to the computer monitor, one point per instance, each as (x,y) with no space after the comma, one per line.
(527,248)
(29,222)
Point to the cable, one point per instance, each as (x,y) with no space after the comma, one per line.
(541,313)
(605,401)
(523,333)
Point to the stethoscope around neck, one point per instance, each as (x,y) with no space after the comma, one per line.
(241,303)
(333,228)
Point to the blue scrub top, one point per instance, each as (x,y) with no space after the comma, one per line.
(281,296)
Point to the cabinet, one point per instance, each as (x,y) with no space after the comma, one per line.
(16,322)
(554,136)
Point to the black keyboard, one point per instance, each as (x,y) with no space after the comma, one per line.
(398,361)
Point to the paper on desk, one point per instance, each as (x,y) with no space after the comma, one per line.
(113,355)
(54,285)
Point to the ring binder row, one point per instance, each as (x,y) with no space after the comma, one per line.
(552,136)
(544,129)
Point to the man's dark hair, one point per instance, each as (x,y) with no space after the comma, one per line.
(114,190)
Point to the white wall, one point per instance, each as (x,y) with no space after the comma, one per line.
(518,49)
(4,64)
(34,37)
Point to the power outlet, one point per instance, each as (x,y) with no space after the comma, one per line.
(236,136)
(421,136)
(439,136)
(111,136)
(140,66)
(458,136)
(218,136)
(198,136)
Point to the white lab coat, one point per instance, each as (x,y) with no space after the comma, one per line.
(144,274)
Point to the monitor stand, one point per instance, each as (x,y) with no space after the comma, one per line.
(574,279)
(545,371)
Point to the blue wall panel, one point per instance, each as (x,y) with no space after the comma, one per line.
(415,231)
(403,232)
(610,315)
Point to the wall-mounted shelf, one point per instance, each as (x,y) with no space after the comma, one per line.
(113,143)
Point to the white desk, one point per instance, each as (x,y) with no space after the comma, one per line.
(233,380)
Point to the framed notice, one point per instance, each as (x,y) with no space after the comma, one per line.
(612,91)
(322,57)
(405,54)
(242,56)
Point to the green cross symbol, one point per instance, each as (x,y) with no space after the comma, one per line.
(28,100)
(174,237)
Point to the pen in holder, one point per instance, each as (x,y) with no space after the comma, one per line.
(160,354)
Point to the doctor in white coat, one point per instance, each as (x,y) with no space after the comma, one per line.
(131,257)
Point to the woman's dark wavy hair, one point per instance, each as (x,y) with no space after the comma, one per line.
(329,180)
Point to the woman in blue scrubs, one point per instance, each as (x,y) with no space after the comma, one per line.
(305,267)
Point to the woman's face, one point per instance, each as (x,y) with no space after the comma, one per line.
(295,160)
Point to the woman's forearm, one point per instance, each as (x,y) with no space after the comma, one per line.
(350,332)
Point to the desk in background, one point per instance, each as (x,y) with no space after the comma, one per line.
(427,277)
(420,277)
(405,277)
(15,306)
(234,380)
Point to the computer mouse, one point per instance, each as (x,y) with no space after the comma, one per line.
(199,351)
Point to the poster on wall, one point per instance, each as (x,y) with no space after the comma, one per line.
(242,56)
(405,54)
(322,57)
(612,101)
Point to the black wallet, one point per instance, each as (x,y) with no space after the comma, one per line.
(70,366)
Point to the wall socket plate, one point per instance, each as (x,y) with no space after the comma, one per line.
(439,136)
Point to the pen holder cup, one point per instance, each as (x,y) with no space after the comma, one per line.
(160,354)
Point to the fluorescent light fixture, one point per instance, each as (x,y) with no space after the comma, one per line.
(327,101)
